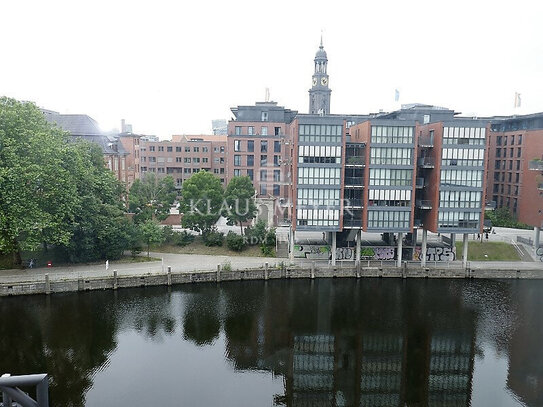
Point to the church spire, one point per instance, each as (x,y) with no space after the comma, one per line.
(319,94)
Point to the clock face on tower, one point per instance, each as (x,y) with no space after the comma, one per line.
(324,81)
(314,81)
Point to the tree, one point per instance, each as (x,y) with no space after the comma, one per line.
(201,202)
(150,233)
(38,195)
(151,197)
(239,197)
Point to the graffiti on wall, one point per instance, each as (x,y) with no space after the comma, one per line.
(436,254)
(312,251)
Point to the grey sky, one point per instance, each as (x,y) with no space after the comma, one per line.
(170,67)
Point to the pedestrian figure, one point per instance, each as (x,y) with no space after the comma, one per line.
(107,265)
(31,263)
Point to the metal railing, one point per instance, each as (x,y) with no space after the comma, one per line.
(9,386)
(428,162)
(354,181)
(356,161)
(424,204)
(426,141)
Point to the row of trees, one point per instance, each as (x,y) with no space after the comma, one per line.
(56,192)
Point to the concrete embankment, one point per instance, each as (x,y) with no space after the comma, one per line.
(114,281)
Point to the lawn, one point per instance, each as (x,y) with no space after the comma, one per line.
(198,247)
(488,251)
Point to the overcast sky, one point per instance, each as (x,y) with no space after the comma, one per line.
(170,67)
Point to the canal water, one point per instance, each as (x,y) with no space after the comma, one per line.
(328,342)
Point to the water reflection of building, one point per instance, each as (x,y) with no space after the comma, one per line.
(338,350)
(525,375)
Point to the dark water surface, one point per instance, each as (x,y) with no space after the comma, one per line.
(340,342)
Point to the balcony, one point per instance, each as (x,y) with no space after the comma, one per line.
(426,162)
(355,162)
(354,182)
(426,141)
(419,183)
(352,223)
(424,204)
(535,165)
(353,203)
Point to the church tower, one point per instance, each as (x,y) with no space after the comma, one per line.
(319,94)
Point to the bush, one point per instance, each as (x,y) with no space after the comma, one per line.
(213,238)
(184,238)
(256,235)
(235,242)
(267,251)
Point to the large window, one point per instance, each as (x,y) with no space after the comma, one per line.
(389,197)
(276,146)
(317,217)
(461,220)
(318,197)
(250,160)
(264,130)
(465,135)
(250,146)
(237,145)
(386,176)
(319,176)
(460,199)
(237,160)
(473,157)
(319,154)
(391,135)
(391,156)
(388,219)
(264,146)
(316,133)
(466,178)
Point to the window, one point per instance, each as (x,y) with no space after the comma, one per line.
(276,159)
(277,146)
(215,149)
(250,174)
(196,149)
(277,131)
(221,170)
(152,159)
(498,152)
(205,160)
(264,130)
(187,149)
(263,160)
(264,146)
(237,160)
(276,190)
(178,149)
(264,116)
(276,175)
(222,149)
(204,149)
(519,152)
(215,170)
(237,145)
(151,148)
(517,177)
(518,165)
(187,160)
(169,149)
(263,189)
(178,159)
(237,173)
(250,146)
(160,148)
(263,175)
(196,160)
(238,130)
(186,170)
(519,139)
(512,139)
(250,160)
(250,130)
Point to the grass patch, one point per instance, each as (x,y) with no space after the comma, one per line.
(198,247)
(488,251)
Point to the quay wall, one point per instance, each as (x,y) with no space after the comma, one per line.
(113,282)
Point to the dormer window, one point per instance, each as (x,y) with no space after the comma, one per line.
(264,116)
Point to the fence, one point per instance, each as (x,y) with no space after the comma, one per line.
(9,386)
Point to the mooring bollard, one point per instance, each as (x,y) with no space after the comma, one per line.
(115,285)
(218,273)
(312,270)
(47,284)
(169,277)
(266,271)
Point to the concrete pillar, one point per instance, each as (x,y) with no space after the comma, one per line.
(400,244)
(358,247)
(312,270)
(424,247)
(266,270)
(291,245)
(465,251)
(47,284)
(453,239)
(333,248)
(115,282)
(536,238)
(218,273)
(169,276)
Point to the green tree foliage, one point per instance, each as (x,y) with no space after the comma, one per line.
(263,236)
(240,201)
(201,202)
(235,242)
(38,196)
(503,217)
(151,233)
(100,229)
(151,197)
(55,191)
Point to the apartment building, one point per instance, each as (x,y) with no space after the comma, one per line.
(515,171)
(185,155)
